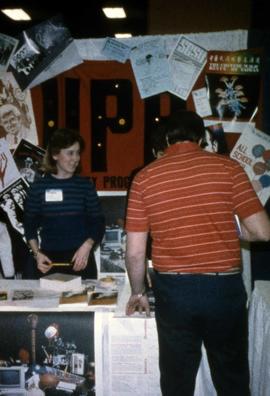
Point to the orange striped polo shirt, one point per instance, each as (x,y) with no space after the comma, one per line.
(187,200)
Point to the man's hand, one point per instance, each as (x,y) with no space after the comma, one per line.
(138,303)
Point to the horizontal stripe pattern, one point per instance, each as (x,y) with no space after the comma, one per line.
(187,199)
(66,222)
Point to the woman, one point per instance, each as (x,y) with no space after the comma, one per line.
(63,219)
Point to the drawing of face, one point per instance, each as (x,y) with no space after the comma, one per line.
(11,123)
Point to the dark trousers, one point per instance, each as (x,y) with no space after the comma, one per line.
(30,270)
(196,309)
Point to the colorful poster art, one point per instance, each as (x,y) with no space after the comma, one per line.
(252,151)
(233,84)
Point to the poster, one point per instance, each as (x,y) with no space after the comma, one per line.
(38,47)
(150,66)
(17,119)
(55,351)
(186,62)
(252,151)
(233,84)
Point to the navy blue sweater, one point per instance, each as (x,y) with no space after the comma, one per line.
(67,220)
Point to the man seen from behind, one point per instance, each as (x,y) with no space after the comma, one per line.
(188,200)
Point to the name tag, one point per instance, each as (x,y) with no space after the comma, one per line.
(53,195)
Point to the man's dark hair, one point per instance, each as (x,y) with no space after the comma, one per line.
(184,125)
(158,139)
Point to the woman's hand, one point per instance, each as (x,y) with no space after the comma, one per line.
(80,258)
(43,262)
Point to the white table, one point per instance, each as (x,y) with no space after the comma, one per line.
(111,333)
(259,339)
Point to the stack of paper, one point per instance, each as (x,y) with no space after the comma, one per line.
(61,282)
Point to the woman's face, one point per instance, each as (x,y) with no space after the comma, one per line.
(67,160)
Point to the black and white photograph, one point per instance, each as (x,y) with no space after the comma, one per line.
(38,47)
(8,45)
(47,354)
(28,159)
(14,251)
(12,202)
(113,245)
